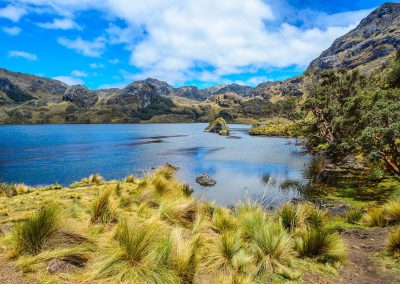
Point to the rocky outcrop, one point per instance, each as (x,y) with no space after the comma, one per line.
(137,95)
(13,92)
(205,180)
(162,88)
(370,44)
(240,90)
(292,86)
(218,126)
(81,96)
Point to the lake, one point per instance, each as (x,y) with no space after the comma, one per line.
(245,167)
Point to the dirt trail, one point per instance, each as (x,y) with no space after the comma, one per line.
(360,268)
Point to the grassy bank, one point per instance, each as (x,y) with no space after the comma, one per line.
(151,230)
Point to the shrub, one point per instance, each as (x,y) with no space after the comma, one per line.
(393,245)
(100,211)
(354,215)
(32,234)
(323,244)
(140,256)
(374,218)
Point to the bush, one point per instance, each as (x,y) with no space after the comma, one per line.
(394,242)
(323,244)
(100,211)
(31,235)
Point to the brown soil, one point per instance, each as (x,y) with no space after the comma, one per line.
(10,275)
(363,246)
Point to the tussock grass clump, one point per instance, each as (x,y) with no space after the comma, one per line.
(100,212)
(223,220)
(118,189)
(161,185)
(31,235)
(141,256)
(185,255)
(322,244)
(96,179)
(272,246)
(250,217)
(374,218)
(392,212)
(354,216)
(167,172)
(8,190)
(301,216)
(227,254)
(179,212)
(393,245)
(131,179)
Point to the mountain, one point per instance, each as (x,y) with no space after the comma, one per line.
(18,87)
(369,45)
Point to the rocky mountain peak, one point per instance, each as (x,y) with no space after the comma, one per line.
(81,96)
(367,46)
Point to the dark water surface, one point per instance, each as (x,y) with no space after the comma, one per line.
(244,166)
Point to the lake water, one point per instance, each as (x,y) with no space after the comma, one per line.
(245,167)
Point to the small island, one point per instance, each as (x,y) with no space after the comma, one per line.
(219,126)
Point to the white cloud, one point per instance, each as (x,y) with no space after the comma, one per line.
(60,24)
(79,73)
(88,48)
(180,40)
(96,65)
(22,54)
(69,80)
(13,13)
(114,61)
(13,31)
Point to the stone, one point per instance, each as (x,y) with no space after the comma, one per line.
(205,180)
(81,96)
(218,126)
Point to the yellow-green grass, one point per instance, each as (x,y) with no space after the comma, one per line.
(150,230)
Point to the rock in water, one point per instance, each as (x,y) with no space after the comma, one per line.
(218,126)
(205,180)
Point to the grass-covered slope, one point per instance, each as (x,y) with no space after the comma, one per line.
(150,230)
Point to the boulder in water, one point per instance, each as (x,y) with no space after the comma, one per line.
(219,126)
(205,180)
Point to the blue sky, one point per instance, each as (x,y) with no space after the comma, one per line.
(110,43)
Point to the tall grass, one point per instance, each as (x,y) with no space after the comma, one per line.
(223,220)
(374,218)
(272,246)
(96,179)
(178,212)
(140,257)
(250,217)
(322,244)
(100,212)
(392,212)
(301,216)
(32,234)
(393,245)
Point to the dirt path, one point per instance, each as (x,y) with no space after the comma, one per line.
(10,275)
(360,268)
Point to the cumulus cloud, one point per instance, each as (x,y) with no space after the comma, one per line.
(13,13)
(22,54)
(13,31)
(180,40)
(88,48)
(96,65)
(60,24)
(79,73)
(69,80)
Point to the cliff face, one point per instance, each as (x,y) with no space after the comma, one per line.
(369,45)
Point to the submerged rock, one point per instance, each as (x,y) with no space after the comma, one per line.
(218,126)
(205,180)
